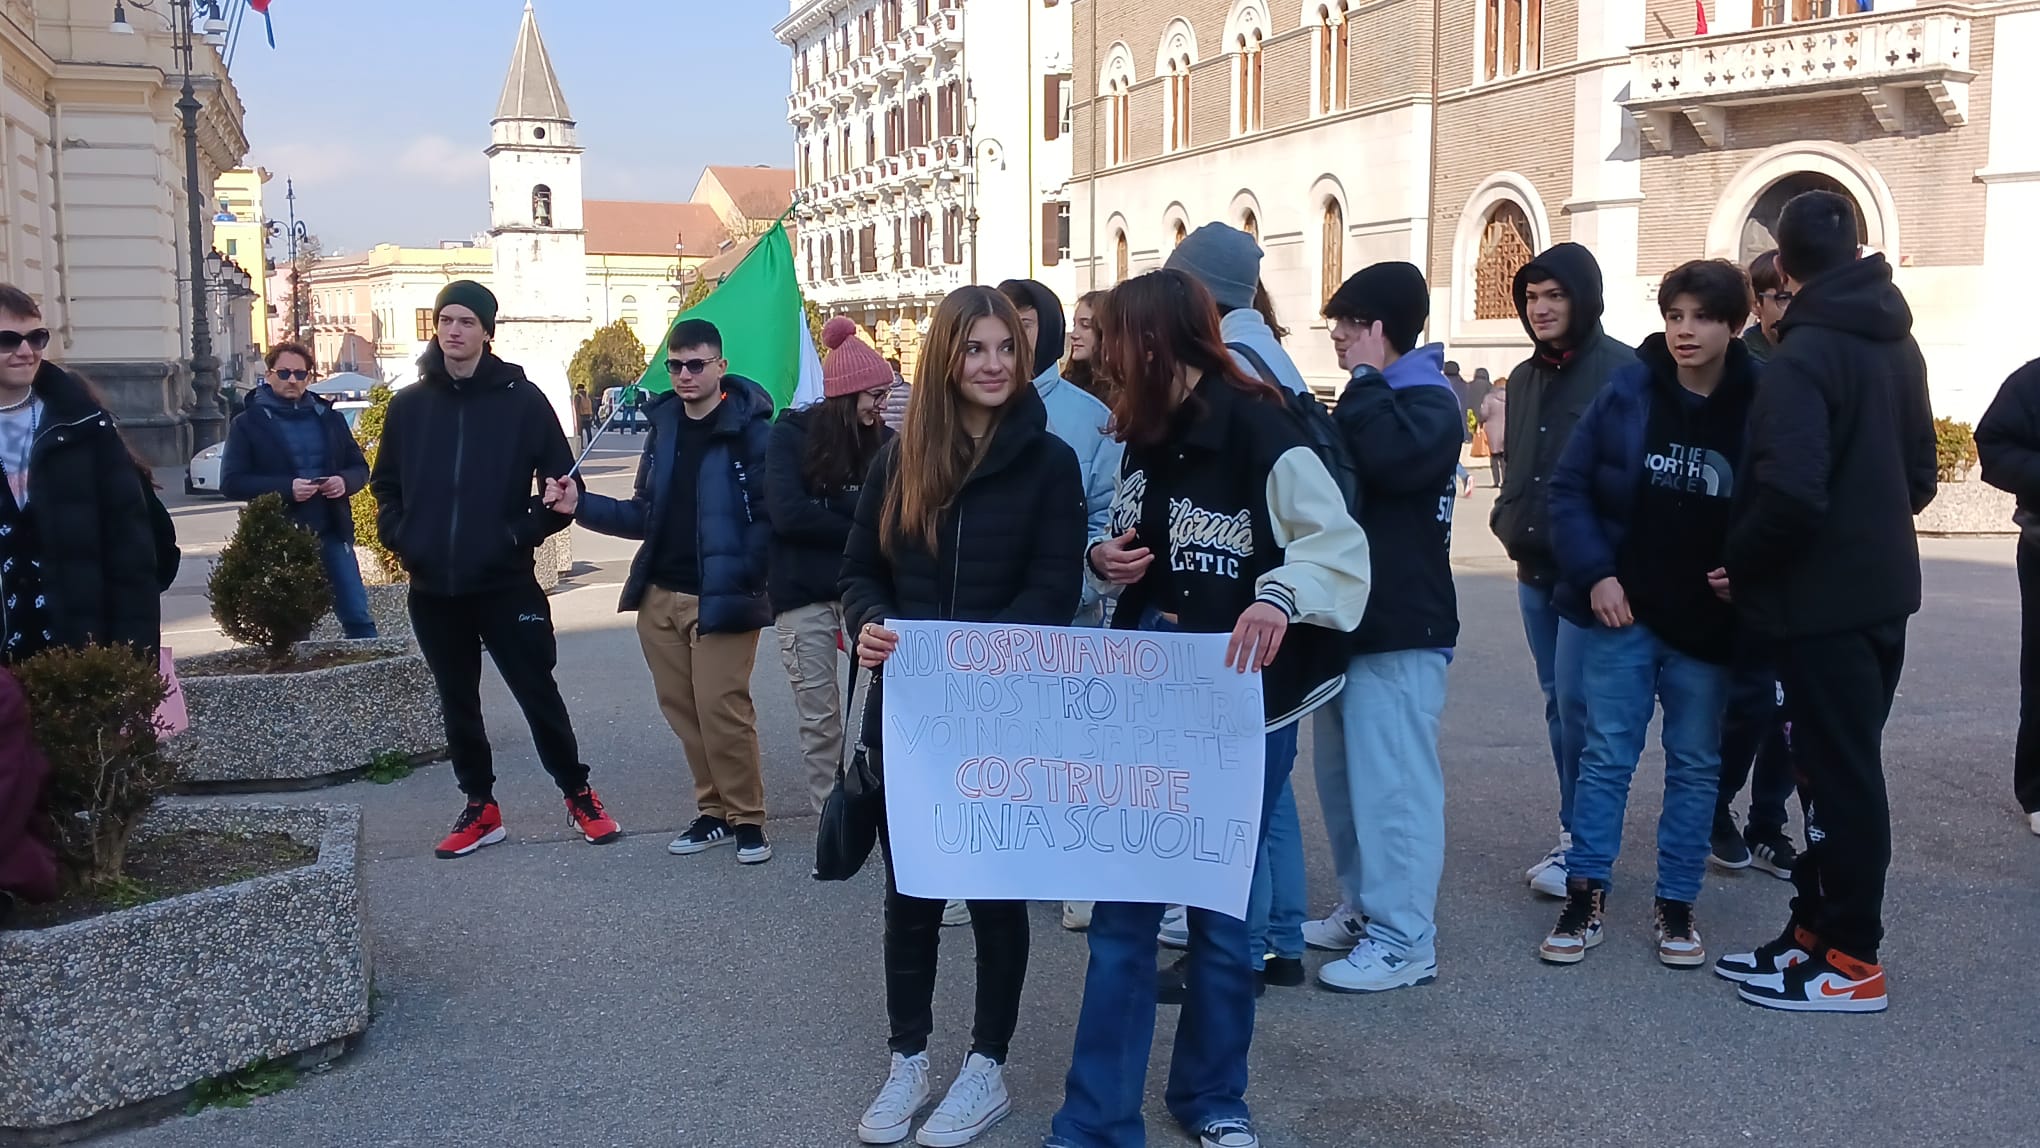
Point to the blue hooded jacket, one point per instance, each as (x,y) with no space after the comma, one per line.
(734,533)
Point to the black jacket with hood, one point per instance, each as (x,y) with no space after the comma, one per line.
(456,473)
(1548,392)
(1839,457)
(92,516)
(1051,333)
(810,526)
(2008,445)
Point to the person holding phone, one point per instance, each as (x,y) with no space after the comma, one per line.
(291,442)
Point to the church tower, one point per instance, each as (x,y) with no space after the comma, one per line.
(535,226)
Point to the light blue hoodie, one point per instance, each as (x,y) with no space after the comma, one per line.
(1246,325)
(1079,419)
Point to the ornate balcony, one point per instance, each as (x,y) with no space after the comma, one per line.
(946,31)
(1875,55)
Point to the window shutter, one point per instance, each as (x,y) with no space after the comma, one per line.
(1048,236)
(1051,107)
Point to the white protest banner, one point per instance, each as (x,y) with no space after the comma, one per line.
(1043,763)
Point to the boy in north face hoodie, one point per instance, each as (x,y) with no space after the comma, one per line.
(1558,297)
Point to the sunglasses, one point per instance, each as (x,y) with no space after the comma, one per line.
(11,341)
(689,366)
(290,376)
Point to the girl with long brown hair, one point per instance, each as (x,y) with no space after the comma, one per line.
(1287,578)
(975,514)
(1081,367)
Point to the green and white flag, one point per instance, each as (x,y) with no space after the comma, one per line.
(763,321)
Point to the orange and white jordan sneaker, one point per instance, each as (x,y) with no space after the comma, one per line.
(1794,945)
(1830,981)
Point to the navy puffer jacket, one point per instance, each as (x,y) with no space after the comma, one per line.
(734,534)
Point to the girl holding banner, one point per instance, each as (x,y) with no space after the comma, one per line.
(1226,520)
(974,514)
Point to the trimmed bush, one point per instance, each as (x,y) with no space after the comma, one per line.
(1954,449)
(269,588)
(368,429)
(93,712)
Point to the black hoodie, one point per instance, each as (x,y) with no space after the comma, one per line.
(1051,335)
(456,471)
(1547,394)
(1839,457)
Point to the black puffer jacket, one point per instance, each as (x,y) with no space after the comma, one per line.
(1548,392)
(1838,459)
(99,556)
(810,527)
(455,476)
(1010,547)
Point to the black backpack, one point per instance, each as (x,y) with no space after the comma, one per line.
(1319,431)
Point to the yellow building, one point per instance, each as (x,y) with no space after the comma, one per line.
(241,235)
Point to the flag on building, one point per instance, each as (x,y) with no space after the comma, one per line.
(763,321)
(262,6)
(1699,17)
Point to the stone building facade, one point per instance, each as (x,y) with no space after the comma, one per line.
(1345,133)
(932,147)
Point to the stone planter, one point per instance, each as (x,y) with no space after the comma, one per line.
(1968,506)
(138,1005)
(282,730)
(554,559)
(388,604)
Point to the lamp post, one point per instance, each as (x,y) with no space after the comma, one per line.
(207,420)
(970,178)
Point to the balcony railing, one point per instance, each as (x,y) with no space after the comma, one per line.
(946,30)
(1877,55)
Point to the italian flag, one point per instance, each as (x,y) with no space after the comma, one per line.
(763,321)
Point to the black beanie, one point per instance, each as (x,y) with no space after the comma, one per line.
(471,295)
(1392,294)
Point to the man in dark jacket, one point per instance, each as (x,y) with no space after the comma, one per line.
(2008,445)
(78,557)
(698,583)
(461,452)
(1379,778)
(1639,516)
(1558,297)
(292,443)
(1824,565)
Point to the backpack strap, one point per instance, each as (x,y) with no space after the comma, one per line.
(1261,366)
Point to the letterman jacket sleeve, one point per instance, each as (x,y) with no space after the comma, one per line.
(1325,571)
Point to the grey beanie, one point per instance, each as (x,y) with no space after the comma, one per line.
(1225,259)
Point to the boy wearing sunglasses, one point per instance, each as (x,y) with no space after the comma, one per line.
(461,453)
(698,582)
(291,442)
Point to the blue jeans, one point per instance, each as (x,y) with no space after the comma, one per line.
(1107,1081)
(350,598)
(1626,673)
(1383,792)
(1277,909)
(1555,647)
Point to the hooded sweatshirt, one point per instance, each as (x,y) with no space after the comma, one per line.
(2008,445)
(1547,394)
(1076,417)
(1402,430)
(1840,457)
(1246,327)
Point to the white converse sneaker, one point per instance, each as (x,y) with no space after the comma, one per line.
(1228,1134)
(1077,915)
(1175,930)
(1338,932)
(1548,875)
(955,913)
(976,1101)
(1371,968)
(891,1115)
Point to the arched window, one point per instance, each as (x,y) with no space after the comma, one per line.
(1119,256)
(1512,37)
(672,308)
(1334,56)
(1179,103)
(541,206)
(1117,85)
(1177,233)
(1334,254)
(1251,224)
(628,308)
(1247,82)
(1505,246)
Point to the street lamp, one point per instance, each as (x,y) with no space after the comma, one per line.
(208,422)
(298,234)
(997,152)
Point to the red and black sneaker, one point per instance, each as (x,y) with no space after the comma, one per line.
(594,822)
(481,823)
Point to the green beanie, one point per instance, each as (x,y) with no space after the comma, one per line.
(471,295)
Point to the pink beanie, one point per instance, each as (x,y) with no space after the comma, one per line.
(851,366)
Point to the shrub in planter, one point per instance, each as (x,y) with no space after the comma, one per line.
(368,429)
(269,587)
(93,712)
(1954,449)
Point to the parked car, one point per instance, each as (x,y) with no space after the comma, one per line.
(203,476)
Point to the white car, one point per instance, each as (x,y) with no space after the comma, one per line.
(204,475)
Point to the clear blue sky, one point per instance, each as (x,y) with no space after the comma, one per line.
(379,109)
